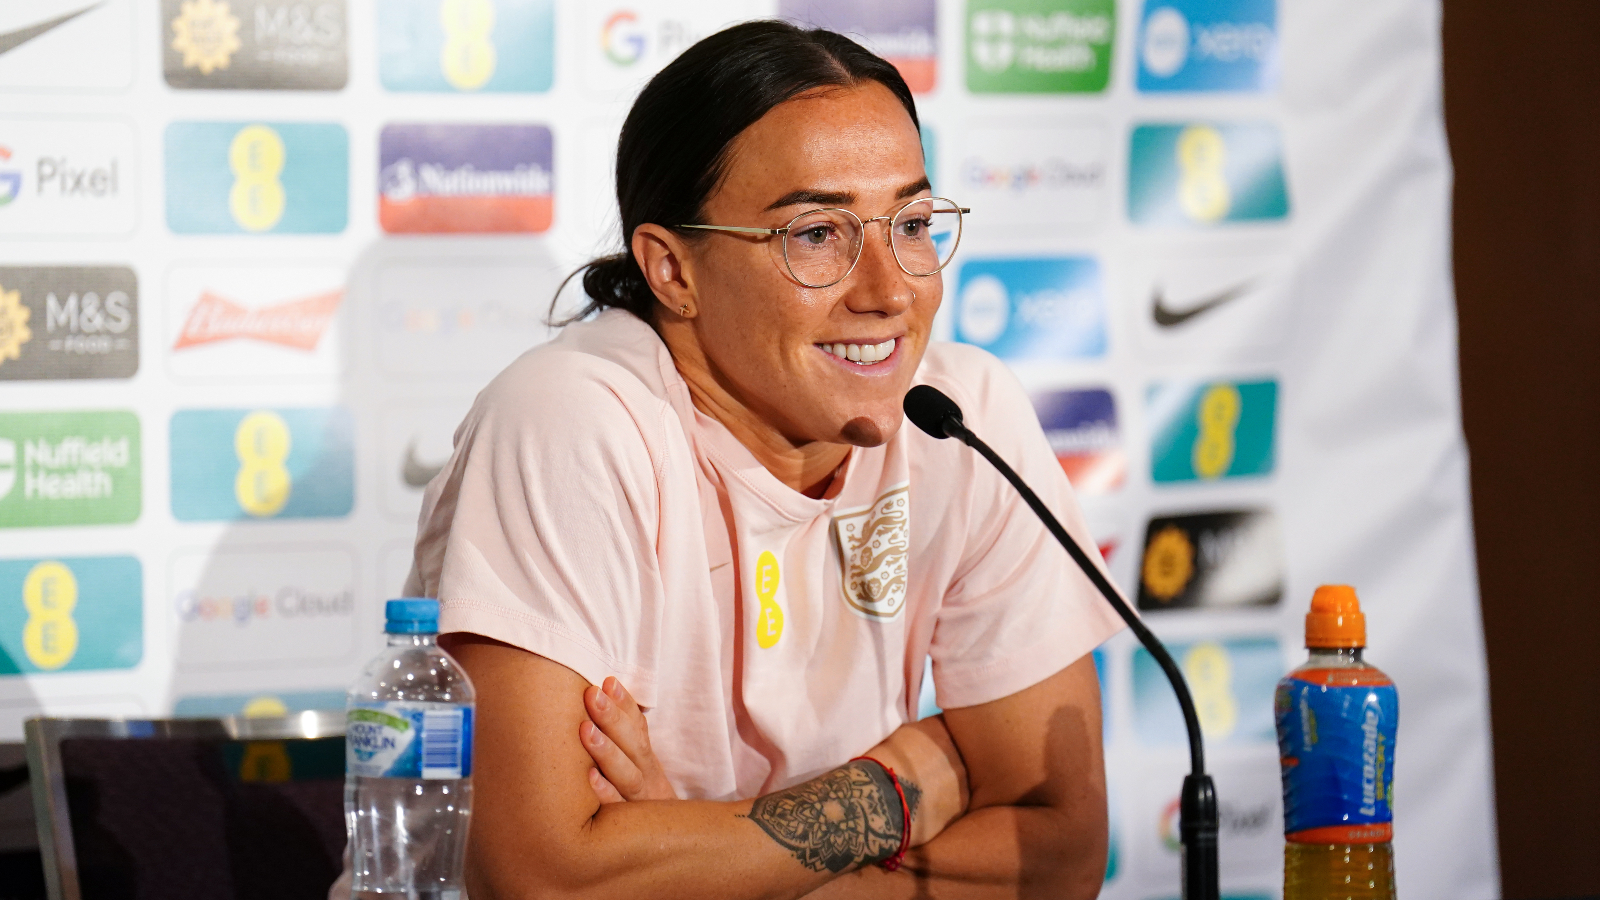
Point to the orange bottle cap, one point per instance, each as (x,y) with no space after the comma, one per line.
(1335,619)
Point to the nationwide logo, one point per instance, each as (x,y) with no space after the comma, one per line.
(78,468)
(1039,46)
(10,40)
(71,614)
(904,32)
(466,45)
(1232,682)
(1212,560)
(257,177)
(1030,309)
(1166,316)
(1209,431)
(1082,429)
(231,464)
(68,322)
(298,324)
(1206,173)
(1208,45)
(465,178)
(257,44)
(279,607)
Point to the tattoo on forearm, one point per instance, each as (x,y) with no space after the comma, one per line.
(840,820)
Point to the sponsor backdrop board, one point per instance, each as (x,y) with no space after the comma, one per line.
(258,256)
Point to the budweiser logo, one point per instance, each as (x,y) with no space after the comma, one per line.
(297,323)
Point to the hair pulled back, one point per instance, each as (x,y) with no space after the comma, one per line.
(673,151)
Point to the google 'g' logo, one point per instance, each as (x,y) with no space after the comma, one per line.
(622,39)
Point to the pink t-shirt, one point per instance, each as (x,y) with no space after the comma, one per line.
(590,514)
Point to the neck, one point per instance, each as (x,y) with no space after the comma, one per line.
(805,466)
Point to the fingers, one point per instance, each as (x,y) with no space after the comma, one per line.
(603,788)
(613,763)
(612,708)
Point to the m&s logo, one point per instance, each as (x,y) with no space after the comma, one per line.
(1206,173)
(70,614)
(257,178)
(261,464)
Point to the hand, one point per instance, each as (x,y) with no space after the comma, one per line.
(618,740)
(924,754)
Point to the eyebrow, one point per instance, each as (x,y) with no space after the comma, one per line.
(840,198)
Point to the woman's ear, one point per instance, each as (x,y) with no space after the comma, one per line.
(662,256)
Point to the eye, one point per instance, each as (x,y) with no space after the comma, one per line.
(814,235)
(914,227)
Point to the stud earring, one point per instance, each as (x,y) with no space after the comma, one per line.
(684,310)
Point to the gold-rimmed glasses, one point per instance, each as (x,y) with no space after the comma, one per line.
(822,246)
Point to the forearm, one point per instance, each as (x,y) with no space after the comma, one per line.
(989,854)
(781,845)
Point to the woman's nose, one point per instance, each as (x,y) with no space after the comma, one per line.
(880,285)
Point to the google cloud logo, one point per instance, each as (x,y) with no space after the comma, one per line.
(621,38)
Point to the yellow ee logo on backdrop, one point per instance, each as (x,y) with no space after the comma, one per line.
(231,464)
(1206,173)
(466,45)
(71,614)
(257,178)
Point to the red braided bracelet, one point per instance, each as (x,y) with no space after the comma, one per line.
(893,862)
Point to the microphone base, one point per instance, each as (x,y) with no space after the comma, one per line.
(1198,823)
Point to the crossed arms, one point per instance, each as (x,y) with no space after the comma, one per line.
(1008,800)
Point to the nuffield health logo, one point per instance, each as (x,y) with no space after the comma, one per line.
(465,178)
(69,468)
(1208,45)
(257,177)
(1040,46)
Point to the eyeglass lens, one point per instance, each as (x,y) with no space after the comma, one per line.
(822,246)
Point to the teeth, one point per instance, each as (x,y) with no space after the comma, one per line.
(863,354)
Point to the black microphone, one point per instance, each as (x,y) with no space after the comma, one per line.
(929,409)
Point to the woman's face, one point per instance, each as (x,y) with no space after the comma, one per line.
(770,342)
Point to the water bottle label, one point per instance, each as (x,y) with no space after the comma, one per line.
(409,740)
(1336,736)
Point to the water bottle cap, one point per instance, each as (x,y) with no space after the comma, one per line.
(412,615)
(1335,620)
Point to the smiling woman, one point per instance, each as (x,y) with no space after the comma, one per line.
(695,566)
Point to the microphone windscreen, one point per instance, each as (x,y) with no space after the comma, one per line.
(927,407)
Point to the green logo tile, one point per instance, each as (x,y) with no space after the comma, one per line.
(69,468)
(1040,46)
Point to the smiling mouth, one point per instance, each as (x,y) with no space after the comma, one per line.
(861,354)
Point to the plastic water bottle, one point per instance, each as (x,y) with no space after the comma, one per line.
(408,764)
(1336,739)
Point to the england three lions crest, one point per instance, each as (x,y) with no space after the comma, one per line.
(872,547)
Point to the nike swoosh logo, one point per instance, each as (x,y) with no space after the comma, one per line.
(11,40)
(416,473)
(1166,317)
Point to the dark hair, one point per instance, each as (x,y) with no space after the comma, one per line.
(673,150)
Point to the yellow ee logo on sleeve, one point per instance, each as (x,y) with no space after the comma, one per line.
(769,621)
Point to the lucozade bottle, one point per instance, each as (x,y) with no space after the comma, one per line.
(1337,719)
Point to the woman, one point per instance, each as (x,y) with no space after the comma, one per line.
(694,563)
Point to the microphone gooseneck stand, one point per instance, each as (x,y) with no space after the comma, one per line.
(933,412)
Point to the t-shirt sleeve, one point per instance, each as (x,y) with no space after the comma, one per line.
(541,533)
(1018,609)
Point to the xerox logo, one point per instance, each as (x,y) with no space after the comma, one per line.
(465,178)
(277,607)
(65,177)
(68,322)
(251,321)
(905,32)
(1208,45)
(256,44)
(1039,46)
(1023,174)
(257,177)
(466,45)
(1030,309)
